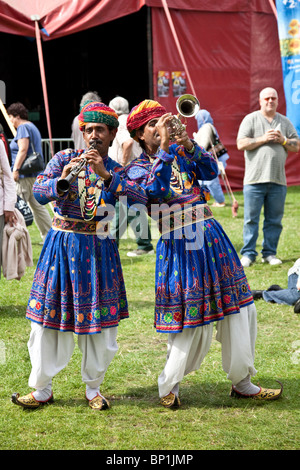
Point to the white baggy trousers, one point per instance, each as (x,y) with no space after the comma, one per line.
(186,350)
(51,350)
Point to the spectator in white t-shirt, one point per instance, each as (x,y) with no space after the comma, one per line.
(266,138)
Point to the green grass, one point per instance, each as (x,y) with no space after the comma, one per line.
(208,419)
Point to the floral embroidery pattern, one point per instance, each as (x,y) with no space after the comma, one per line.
(78,284)
(199,291)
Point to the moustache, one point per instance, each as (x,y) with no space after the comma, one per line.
(93,143)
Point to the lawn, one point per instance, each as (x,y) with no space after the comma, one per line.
(208,419)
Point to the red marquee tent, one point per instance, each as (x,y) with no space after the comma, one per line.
(226,52)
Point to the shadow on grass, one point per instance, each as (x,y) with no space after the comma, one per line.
(13,311)
(206,395)
(212,395)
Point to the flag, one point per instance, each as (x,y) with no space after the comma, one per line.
(288,21)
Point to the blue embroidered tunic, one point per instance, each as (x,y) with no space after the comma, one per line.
(78,284)
(199,278)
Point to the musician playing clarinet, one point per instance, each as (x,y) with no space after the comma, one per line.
(78,285)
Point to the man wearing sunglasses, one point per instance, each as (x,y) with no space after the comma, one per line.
(266,137)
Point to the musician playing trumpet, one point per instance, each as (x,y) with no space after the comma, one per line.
(199,278)
(78,285)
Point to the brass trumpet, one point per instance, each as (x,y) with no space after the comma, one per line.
(63,185)
(187,106)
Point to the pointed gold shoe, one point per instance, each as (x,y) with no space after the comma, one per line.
(28,401)
(99,403)
(170,401)
(263,394)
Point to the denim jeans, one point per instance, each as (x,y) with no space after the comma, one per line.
(271,197)
(287,296)
(214,185)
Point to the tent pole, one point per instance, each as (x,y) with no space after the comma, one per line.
(4,112)
(43,77)
(150,52)
(167,12)
(273,8)
(234,206)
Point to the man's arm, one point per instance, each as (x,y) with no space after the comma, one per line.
(291,145)
(127,150)
(271,136)
(250,143)
(23,145)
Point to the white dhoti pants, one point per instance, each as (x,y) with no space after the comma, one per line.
(51,350)
(186,350)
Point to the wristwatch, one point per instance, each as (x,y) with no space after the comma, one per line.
(108,181)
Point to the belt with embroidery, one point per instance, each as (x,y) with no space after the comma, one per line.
(184,216)
(86,227)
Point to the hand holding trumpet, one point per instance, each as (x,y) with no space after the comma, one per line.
(163,128)
(184,140)
(187,106)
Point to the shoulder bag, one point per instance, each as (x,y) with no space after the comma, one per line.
(21,205)
(218,147)
(25,210)
(33,163)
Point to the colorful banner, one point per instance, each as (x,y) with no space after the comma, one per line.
(163,83)
(288,19)
(178,83)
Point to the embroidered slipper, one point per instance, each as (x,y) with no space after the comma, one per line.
(263,394)
(170,401)
(28,401)
(99,403)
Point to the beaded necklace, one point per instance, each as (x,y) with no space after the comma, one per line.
(176,181)
(89,188)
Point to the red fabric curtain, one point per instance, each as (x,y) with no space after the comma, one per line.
(14,22)
(231,56)
(78,15)
(61,17)
(231,50)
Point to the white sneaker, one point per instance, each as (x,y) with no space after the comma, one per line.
(246,262)
(139,252)
(272,260)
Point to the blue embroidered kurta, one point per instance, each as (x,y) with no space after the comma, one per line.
(78,284)
(199,278)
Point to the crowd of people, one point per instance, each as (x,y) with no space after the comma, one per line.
(78,286)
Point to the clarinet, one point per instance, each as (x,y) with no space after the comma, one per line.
(63,185)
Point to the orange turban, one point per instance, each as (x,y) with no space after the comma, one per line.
(143,113)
